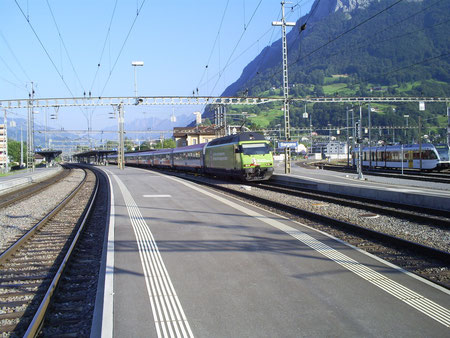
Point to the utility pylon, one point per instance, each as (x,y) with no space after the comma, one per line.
(30,131)
(121,150)
(287,132)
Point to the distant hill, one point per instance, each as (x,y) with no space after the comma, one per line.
(405,44)
(357,48)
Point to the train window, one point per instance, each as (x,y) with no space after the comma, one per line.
(429,155)
(255,148)
(443,151)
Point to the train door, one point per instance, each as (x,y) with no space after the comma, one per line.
(410,159)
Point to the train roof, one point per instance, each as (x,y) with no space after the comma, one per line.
(246,136)
(406,147)
(194,147)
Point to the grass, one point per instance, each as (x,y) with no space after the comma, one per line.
(338,88)
(12,172)
(265,117)
(334,88)
(408,86)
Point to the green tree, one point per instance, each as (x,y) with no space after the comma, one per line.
(111,145)
(14,150)
(146,145)
(206,122)
(167,143)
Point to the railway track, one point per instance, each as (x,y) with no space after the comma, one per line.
(17,195)
(433,217)
(407,174)
(31,268)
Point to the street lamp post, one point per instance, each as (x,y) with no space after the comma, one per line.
(406,130)
(136,64)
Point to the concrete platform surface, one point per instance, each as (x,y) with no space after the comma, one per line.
(418,193)
(186,261)
(11,182)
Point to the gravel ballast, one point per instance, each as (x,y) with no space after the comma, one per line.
(16,219)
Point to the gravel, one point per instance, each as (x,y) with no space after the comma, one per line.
(16,219)
(415,232)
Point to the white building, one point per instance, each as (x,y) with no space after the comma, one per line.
(336,150)
(3,147)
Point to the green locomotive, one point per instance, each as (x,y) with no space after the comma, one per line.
(246,155)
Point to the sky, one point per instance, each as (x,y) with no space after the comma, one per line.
(185,45)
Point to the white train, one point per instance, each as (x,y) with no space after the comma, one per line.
(433,157)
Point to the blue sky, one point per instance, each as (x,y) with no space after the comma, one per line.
(175,40)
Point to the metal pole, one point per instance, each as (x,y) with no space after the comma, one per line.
(402,159)
(135,82)
(21,146)
(310,130)
(121,150)
(348,145)
(225,126)
(420,142)
(370,138)
(448,126)
(360,174)
(6,143)
(46,138)
(30,132)
(283,24)
(353,131)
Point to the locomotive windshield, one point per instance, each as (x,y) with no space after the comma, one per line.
(443,151)
(255,149)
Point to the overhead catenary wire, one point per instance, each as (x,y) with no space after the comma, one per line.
(11,71)
(238,56)
(104,46)
(347,31)
(430,59)
(271,29)
(236,45)
(64,45)
(15,57)
(14,84)
(372,42)
(300,58)
(375,42)
(45,50)
(215,41)
(123,46)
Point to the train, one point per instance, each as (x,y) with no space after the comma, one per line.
(390,156)
(246,156)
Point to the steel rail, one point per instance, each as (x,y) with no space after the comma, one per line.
(15,246)
(30,190)
(39,316)
(407,175)
(438,218)
(346,226)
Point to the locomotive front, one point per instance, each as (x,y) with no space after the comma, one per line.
(246,155)
(256,160)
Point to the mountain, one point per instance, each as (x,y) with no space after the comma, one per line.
(356,48)
(363,44)
(150,123)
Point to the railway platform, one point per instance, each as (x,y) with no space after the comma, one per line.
(418,193)
(183,260)
(14,181)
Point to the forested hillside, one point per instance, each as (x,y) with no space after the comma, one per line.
(386,48)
